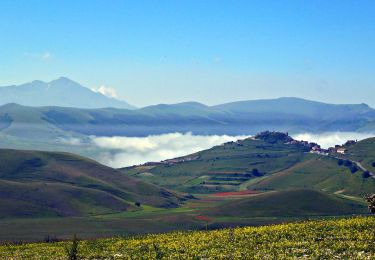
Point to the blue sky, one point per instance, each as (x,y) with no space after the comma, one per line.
(208,51)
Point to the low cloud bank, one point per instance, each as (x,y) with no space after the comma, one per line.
(330,139)
(127,151)
(121,151)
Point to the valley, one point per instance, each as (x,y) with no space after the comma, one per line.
(265,179)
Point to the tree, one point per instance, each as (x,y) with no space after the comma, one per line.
(72,250)
(348,163)
(373,164)
(256,172)
(353,169)
(366,174)
(370,198)
(340,162)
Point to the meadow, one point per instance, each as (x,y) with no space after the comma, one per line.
(350,238)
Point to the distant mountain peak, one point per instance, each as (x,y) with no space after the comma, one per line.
(62,92)
(64,81)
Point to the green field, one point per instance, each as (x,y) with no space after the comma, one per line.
(351,238)
(216,211)
(58,194)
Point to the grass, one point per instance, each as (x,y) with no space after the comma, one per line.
(37,188)
(223,168)
(319,173)
(363,152)
(36,184)
(288,203)
(227,211)
(351,238)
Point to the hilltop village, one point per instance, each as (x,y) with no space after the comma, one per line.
(311,146)
(270,137)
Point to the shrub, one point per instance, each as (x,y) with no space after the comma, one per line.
(373,164)
(366,174)
(371,200)
(348,163)
(353,169)
(256,172)
(158,253)
(138,204)
(340,162)
(50,239)
(72,250)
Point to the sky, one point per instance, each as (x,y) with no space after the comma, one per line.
(210,51)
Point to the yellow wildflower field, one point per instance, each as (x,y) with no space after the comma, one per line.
(352,238)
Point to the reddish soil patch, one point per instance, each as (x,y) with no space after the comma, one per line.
(235,193)
(204,218)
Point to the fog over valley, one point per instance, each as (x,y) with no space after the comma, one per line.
(121,151)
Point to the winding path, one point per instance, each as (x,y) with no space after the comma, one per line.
(359,165)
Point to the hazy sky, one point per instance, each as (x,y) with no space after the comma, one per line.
(209,51)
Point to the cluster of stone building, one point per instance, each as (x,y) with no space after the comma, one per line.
(317,149)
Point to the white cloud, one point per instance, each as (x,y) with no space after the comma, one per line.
(121,151)
(107,91)
(45,56)
(71,141)
(126,151)
(330,139)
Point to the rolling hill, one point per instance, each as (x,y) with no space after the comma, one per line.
(270,161)
(266,179)
(46,184)
(288,203)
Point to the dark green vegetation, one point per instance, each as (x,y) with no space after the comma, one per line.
(44,184)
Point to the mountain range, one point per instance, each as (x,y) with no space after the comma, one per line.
(63,106)
(240,118)
(60,92)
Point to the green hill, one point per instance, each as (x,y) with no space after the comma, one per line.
(319,173)
(289,203)
(35,184)
(270,161)
(363,152)
(222,168)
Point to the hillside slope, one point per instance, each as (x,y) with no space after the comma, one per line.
(319,173)
(225,167)
(59,184)
(289,203)
(269,162)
